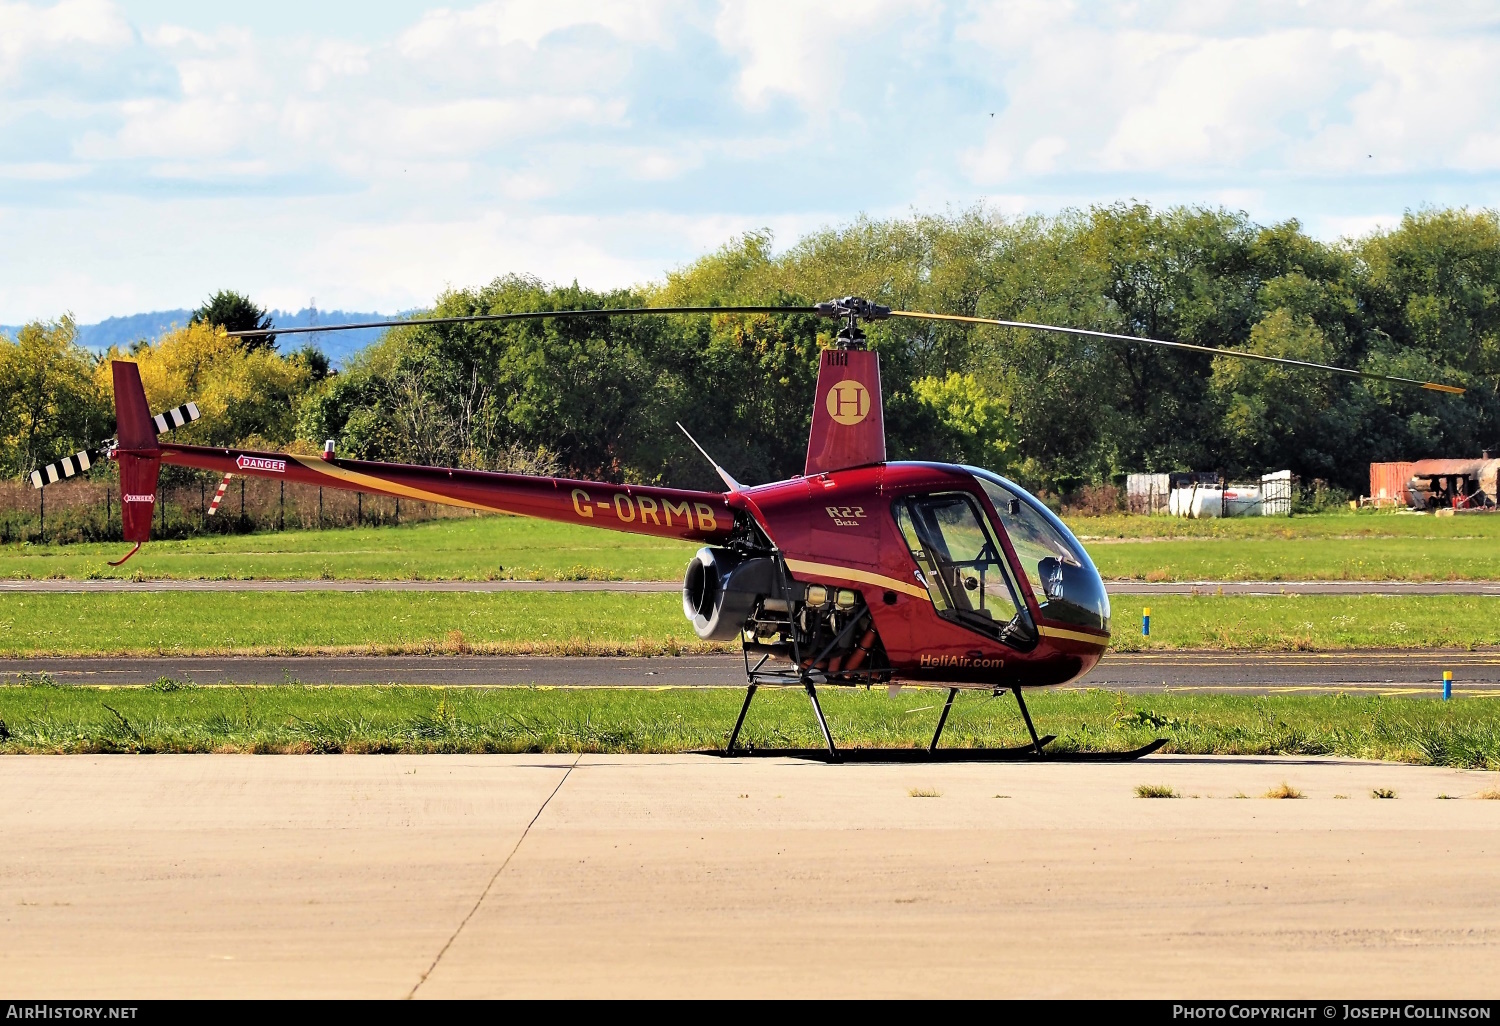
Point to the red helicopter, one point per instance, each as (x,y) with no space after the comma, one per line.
(858,572)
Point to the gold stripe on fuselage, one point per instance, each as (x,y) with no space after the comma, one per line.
(380,484)
(857,576)
(1058,632)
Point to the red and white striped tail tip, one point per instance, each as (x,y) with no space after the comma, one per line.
(213,507)
(176,417)
(66,467)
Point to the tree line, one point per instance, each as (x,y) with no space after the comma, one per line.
(600,397)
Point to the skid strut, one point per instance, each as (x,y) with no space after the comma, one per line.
(812,693)
(942,719)
(1036,742)
(749,694)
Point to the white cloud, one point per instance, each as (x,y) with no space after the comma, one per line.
(147,163)
(800,49)
(28,31)
(1201,91)
(43,171)
(503,22)
(1357,226)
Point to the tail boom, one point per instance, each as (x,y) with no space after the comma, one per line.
(636,509)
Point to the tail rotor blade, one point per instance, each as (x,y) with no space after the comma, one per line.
(176,417)
(1235,353)
(68,466)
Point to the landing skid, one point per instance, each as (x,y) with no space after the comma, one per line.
(800,674)
(1130,756)
(1021,753)
(932,753)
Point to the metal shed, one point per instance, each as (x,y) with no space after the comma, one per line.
(1457,484)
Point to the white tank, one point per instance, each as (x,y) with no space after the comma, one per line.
(1242,500)
(1199,502)
(1177,500)
(1208,503)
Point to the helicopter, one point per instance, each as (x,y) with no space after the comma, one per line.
(856,573)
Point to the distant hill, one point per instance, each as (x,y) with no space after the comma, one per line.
(337,345)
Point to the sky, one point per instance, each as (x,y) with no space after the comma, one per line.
(368,155)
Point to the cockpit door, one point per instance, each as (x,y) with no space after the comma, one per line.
(962,566)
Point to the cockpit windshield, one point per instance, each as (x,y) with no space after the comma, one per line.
(1063,578)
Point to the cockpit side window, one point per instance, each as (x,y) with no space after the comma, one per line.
(962,567)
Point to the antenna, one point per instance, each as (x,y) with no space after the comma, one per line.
(734,486)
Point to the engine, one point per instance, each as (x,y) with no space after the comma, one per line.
(722,589)
(726,595)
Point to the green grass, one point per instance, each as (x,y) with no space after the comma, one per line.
(465,548)
(604,623)
(1367,524)
(1306,622)
(1367,546)
(178,623)
(1310,559)
(1381,546)
(291,719)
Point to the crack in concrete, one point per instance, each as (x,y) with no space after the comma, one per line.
(489,886)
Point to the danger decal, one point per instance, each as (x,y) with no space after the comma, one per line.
(261,463)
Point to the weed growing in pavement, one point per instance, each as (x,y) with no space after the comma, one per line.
(1382,792)
(924,792)
(1155,791)
(1284,790)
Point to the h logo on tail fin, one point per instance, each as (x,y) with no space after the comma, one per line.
(848,402)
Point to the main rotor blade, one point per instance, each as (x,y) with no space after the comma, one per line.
(1237,353)
(535,315)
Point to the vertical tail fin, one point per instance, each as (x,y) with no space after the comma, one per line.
(132,415)
(138,455)
(138,477)
(848,424)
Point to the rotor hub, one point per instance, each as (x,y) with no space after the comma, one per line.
(851,309)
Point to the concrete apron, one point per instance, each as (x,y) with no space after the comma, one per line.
(546,875)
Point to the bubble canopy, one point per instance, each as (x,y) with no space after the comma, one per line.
(1063,578)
